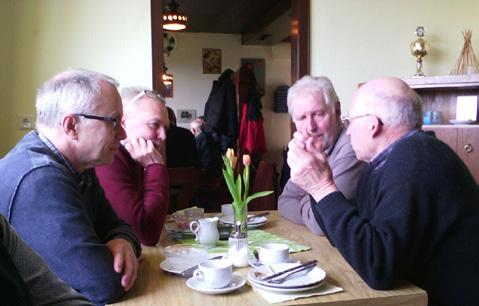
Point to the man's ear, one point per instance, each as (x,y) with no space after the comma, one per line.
(376,127)
(337,110)
(70,127)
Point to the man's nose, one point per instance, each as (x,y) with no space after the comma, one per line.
(312,126)
(162,134)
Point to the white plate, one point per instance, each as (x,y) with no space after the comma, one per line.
(309,280)
(285,290)
(452,121)
(172,228)
(237,282)
(252,223)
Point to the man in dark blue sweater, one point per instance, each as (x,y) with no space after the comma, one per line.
(416,214)
(50,194)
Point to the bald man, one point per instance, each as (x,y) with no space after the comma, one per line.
(416,213)
(136,183)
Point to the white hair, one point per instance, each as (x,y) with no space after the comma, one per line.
(72,91)
(311,85)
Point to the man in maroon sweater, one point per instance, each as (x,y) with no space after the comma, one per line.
(136,183)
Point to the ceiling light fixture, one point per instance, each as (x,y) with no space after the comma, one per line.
(172,19)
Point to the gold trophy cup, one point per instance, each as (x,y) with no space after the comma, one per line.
(419,49)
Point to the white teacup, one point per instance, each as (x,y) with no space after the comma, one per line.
(272,253)
(216,273)
(227,210)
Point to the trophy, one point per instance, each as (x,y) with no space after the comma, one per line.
(419,49)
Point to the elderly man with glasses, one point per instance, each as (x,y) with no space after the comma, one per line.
(136,183)
(50,194)
(315,110)
(416,212)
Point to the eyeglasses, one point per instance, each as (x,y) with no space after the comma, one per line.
(149,93)
(347,120)
(114,121)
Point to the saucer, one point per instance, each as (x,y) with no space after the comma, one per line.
(237,282)
(251,223)
(257,263)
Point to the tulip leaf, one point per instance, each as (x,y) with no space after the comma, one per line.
(231,185)
(257,195)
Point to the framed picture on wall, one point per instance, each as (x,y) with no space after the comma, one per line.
(211,61)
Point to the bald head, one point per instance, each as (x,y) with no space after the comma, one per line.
(392,100)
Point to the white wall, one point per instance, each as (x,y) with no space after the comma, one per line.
(192,87)
(44,37)
(355,41)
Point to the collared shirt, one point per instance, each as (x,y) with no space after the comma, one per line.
(379,159)
(85,181)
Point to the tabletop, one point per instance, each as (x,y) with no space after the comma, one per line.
(157,287)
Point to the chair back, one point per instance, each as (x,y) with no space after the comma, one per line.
(183,181)
(266,178)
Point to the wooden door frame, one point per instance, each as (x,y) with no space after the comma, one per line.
(300,31)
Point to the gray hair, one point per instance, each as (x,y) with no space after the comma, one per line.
(197,124)
(396,110)
(72,91)
(308,84)
(131,93)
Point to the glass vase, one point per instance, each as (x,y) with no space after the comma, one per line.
(240,219)
(238,252)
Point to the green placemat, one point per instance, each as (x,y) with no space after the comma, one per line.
(255,239)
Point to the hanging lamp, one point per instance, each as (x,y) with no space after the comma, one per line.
(172,19)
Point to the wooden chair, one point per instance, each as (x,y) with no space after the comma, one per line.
(266,178)
(182,186)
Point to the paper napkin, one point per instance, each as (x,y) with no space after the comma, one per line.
(275,297)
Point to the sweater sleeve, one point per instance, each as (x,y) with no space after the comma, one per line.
(346,172)
(141,201)
(43,287)
(294,205)
(56,221)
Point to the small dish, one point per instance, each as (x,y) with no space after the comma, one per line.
(237,282)
(452,121)
(179,253)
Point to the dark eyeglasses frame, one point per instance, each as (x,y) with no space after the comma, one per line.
(347,120)
(114,121)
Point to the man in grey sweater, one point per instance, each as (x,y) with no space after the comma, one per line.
(316,111)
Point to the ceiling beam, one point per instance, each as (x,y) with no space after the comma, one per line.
(257,27)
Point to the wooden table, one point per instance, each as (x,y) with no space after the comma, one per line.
(157,287)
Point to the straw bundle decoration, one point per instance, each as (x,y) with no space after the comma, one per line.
(467,62)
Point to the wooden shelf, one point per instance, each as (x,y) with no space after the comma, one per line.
(444,82)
